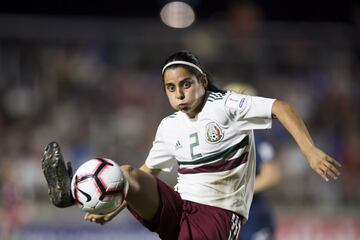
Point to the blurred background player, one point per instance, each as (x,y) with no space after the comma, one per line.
(261,222)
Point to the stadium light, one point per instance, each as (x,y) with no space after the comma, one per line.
(177,14)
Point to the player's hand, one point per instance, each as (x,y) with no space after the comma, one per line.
(102,219)
(323,164)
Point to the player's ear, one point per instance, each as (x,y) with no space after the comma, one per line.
(204,81)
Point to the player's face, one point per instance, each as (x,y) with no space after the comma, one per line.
(184,91)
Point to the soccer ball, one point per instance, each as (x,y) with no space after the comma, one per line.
(99,186)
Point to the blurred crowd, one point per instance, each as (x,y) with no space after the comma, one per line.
(105,98)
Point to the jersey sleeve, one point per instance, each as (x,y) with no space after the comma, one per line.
(249,112)
(159,156)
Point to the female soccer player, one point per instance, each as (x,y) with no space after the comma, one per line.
(210,138)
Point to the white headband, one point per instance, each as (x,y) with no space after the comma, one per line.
(183,63)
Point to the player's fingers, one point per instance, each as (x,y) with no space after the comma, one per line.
(322,174)
(331,174)
(87,217)
(327,174)
(92,218)
(333,162)
(332,169)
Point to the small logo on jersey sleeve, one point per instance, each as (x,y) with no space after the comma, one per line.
(213,133)
(241,104)
(237,101)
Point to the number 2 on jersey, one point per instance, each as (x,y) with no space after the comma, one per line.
(195,142)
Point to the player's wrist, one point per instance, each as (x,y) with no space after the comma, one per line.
(307,148)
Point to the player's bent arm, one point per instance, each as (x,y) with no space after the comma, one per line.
(268,177)
(102,219)
(319,161)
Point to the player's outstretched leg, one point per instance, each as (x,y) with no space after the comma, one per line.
(57,175)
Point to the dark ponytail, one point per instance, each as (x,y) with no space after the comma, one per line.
(211,86)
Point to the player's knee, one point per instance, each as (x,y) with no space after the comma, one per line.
(126,168)
(128,171)
(132,176)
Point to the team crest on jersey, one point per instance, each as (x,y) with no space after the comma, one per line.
(213,133)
